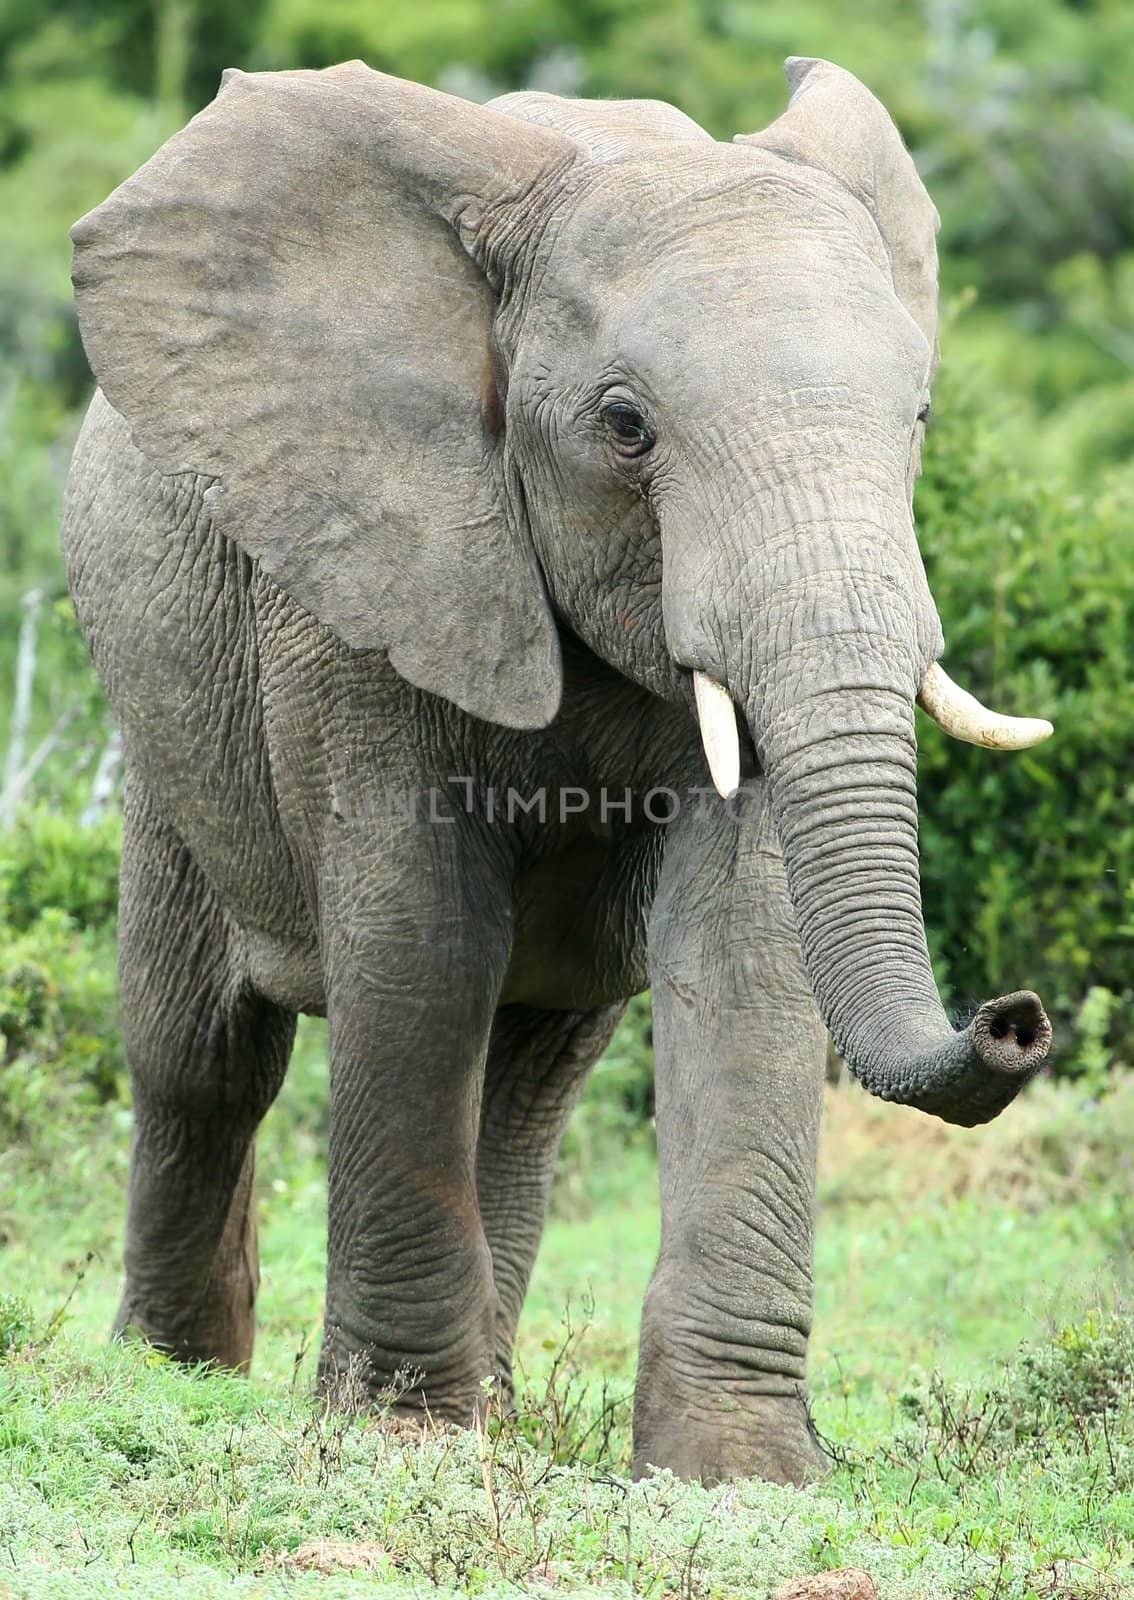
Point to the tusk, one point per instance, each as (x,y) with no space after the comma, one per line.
(961,714)
(717,716)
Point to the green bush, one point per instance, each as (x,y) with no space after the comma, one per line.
(1077,1386)
(46,860)
(60,1042)
(620,1093)
(1027,858)
(617,1106)
(16,1323)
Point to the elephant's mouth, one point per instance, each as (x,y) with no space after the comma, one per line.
(956,711)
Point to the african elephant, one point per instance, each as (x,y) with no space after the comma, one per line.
(484,453)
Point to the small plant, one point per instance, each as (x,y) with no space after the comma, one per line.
(15,1323)
(570,1414)
(1075,1390)
(1085,1371)
(60,1042)
(48,860)
(1094,1057)
(24,1003)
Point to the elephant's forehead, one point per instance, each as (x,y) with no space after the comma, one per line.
(780,319)
(695,207)
(708,256)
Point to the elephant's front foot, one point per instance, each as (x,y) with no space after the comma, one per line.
(718,1432)
(402,1397)
(357,1374)
(723,1396)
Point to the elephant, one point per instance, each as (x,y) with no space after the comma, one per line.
(493,530)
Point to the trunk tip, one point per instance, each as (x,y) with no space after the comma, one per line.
(1013,1034)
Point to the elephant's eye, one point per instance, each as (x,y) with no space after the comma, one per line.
(923,414)
(628,428)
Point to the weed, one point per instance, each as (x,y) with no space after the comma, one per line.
(571,1413)
(15,1323)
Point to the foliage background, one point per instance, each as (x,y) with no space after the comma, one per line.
(1021,116)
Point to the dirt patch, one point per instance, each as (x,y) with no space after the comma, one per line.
(408,1428)
(849,1583)
(328,1556)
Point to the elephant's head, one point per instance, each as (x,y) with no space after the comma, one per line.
(454,366)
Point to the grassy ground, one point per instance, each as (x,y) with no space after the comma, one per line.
(971,1371)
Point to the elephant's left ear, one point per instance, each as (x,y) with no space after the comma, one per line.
(293,298)
(835,123)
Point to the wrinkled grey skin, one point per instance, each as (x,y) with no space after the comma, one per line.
(357,521)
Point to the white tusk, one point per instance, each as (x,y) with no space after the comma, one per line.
(717,716)
(961,714)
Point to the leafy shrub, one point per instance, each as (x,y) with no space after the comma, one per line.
(1027,858)
(60,1042)
(619,1097)
(16,1323)
(1093,1056)
(46,860)
(1086,1370)
(1077,1387)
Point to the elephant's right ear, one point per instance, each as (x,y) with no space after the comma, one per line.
(291,298)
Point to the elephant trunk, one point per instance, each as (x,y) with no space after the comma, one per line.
(812,613)
(843,786)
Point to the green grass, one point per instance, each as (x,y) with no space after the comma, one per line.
(971,1370)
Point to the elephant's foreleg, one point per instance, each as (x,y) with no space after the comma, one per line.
(207,1057)
(537,1064)
(417,937)
(739,1067)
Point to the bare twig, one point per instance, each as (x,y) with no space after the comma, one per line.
(21,705)
(488,1478)
(14,789)
(102,789)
